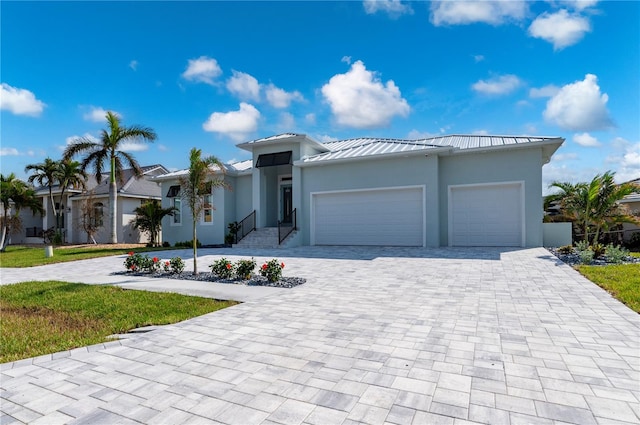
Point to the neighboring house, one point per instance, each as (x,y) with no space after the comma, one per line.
(632,202)
(442,191)
(132,192)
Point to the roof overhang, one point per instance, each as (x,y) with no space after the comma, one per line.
(284,140)
(428,151)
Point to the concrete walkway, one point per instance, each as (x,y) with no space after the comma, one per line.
(376,335)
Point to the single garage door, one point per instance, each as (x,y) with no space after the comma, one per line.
(382,217)
(488,215)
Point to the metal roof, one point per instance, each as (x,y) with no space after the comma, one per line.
(272,138)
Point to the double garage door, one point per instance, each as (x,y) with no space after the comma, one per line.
(486,215)
(383,217)
(479,215)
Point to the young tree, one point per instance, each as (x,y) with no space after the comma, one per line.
(108,148)
(90,220)
(593,205)
(149,219)
(14,191)
(195,185)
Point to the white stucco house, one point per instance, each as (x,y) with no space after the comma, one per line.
(132,192)
(458,190)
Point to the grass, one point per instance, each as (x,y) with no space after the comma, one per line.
(622,281)
(23,256)
(46,317)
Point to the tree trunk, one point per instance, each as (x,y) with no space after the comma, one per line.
(113,214)
(195,249)
(4,239)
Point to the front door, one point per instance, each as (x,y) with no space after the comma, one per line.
(286,195)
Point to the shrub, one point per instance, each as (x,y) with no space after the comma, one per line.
(141,263)
(244,268)
(177,265)
(187,244)
(229,239)
(586,256)
(634,241)
(566,250)
(133,262)
(582,246)
(598,249)
(222,268)
(166,244)
(272,270)
(615,254)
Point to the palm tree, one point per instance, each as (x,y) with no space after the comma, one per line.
(107,148)
(46,174)
(21,195)
(593,205)
(149,219)
(198,183)
(70,175)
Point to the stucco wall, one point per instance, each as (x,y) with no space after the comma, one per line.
(242,196)
(492,167)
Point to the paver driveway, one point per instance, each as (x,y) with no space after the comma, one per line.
(375,335)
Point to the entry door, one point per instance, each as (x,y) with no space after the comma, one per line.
(286,195)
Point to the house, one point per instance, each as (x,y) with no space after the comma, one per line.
(632,202)
(457,190)
(132,192)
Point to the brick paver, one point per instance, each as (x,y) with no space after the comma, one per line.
(376,335)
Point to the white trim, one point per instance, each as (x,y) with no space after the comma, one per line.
(519,183)
(312,212)
(281,183)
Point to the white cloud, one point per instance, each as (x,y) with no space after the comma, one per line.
(133,65)
(72,139)
(244,86)
(560,28)
(346,59)
(394,8)
(235,124)
(569,156)
(19,101)
(324,138)
(480,132)
(579,4)
(310,118)
(478,58)
(134,146)
(546,91)
(359,99)
(579,106)
(287,122)
(626,160)
(468,12)
(202,70)
(562,172)
(586,140)
(279,98)
(503,84)
(9,152)
(98,114)
(162,148)
(416,134)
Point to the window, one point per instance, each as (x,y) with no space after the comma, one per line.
(274,159)
(207,210)
(98,214)
(177,213)
(173,191)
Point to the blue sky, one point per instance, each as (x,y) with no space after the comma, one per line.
(214,74)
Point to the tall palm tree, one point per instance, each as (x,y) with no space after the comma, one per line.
(198,183)
(593,205)
(21,195)
(46,174)
(108,148)
(70,176)
(149,219)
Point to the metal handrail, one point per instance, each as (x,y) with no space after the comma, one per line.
(246,226)
(291,218)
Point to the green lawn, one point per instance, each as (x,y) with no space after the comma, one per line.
(622,281)
(23,256)
(47,317)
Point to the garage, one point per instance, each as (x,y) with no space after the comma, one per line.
(486,215)
(378,217)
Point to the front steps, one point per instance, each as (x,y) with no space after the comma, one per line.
(265,237)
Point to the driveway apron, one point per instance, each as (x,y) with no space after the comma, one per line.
(375,335)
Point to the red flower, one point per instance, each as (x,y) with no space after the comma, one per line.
(264,267)
(166,263)
(155,259)
(130,253)
(282,265)
(228,266)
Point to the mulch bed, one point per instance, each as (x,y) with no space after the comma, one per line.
(284,282)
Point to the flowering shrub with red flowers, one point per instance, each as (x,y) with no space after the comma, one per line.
(244,268)
(222,268)
(272,270)
(141,263)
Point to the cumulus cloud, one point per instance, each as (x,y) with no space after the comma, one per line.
(202,70)
(310,118)
(546,91)
(468,12)
(625,160)
(279,98)
(586,140)
(359,99)
(97,114)
(579,4)
(133,65)
(393,8)
(569,156)
(235,124)
(19,101)
(560,28)
(503,84)
(287,121)
(8,152)
(579,106)
(244,86)
(346,59)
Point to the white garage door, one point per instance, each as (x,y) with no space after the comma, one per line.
(486,215)
(383,217)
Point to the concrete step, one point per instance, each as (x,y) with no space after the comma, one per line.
(266,237)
